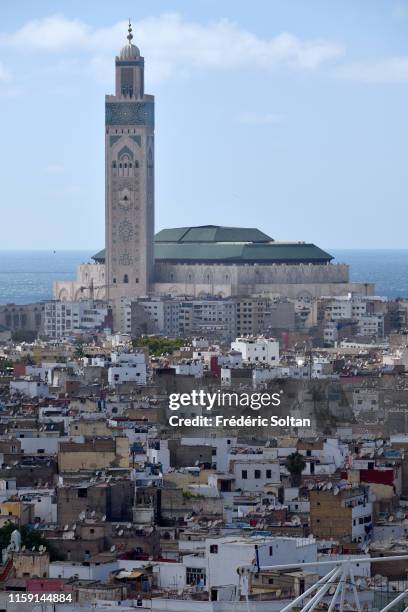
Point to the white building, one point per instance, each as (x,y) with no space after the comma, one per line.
(158,452)
(127,367)
(257,350)
(65,318)
(191,367)
(226,554)
(253,475)
(28,387)
(221,448)
(366,311)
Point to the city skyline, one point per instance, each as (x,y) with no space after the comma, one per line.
(318,171)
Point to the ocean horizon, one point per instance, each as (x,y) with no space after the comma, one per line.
(28,276)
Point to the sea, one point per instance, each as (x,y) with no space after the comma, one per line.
(28,276)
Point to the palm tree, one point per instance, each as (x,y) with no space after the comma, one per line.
(295,464)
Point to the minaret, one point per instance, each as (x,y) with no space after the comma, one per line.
(129,176)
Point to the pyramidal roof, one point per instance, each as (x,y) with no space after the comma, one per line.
(218,244)
(212,233)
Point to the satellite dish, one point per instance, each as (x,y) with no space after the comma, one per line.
(113,548)
(103,518)
(128,526)
(120,533)
(66,527)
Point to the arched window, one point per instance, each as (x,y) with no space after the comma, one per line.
(124,166)
(125,278)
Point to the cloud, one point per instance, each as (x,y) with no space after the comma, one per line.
(175,45)
(250,118)
(49,34)
(390,70)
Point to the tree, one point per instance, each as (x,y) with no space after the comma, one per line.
(79,350)
(27,359)
(24,335)
(158,345)
(29,538)
(6,366)
(295,464)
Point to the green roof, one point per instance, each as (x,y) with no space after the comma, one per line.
(212,233)
(244,253)
(211,243)
(99,257)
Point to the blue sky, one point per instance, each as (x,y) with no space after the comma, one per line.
(285,115)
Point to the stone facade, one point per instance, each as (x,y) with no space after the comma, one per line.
(22,317)
(129,176)
(224,280)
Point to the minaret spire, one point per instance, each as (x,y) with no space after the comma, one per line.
(130,35)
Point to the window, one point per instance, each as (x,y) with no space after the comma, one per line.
(269,473)
(82,492)
(244,474)
(257,474)
(214,549)
(125,278)
(271,551)
(195,576)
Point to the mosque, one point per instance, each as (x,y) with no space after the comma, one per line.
(196,261)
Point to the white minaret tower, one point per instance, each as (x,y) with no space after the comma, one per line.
(129,174)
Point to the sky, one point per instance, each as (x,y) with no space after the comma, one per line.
(289,116)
